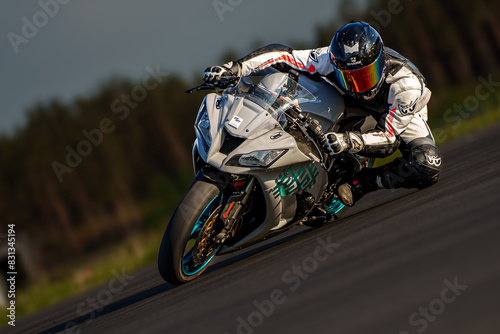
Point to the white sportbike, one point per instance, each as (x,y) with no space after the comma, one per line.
(260,170)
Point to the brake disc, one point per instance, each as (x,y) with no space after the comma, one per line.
(205,246)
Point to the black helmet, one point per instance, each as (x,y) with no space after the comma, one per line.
(358,59)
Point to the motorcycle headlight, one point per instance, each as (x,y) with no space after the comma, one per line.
(260,158)
(202,127)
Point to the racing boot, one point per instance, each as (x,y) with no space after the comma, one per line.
(361,184)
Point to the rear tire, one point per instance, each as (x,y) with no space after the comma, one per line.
(176,262)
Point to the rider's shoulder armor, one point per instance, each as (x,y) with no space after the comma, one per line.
(394,63)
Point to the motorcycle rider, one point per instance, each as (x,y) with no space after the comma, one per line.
(374,78)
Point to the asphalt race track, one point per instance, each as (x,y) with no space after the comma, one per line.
(400,262)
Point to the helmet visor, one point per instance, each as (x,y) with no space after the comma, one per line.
(362,79)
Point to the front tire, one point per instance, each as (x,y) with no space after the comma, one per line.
(184,251)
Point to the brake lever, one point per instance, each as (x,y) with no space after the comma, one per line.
(227,83)
(200,87)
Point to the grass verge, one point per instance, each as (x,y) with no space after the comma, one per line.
(134,253)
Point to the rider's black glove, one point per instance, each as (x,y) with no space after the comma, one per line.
(337,143)
(220,76)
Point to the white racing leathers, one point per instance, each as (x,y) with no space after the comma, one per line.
(400,108)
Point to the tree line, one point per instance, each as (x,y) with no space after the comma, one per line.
(69,197)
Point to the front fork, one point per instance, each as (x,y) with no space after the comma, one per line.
(233,210)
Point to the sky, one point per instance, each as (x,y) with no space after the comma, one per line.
(72,46)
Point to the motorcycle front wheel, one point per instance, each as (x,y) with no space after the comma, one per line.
(187,247)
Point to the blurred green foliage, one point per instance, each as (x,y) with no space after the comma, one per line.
(143,166)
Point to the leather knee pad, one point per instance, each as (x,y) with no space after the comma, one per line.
(418,168)
(426,163)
